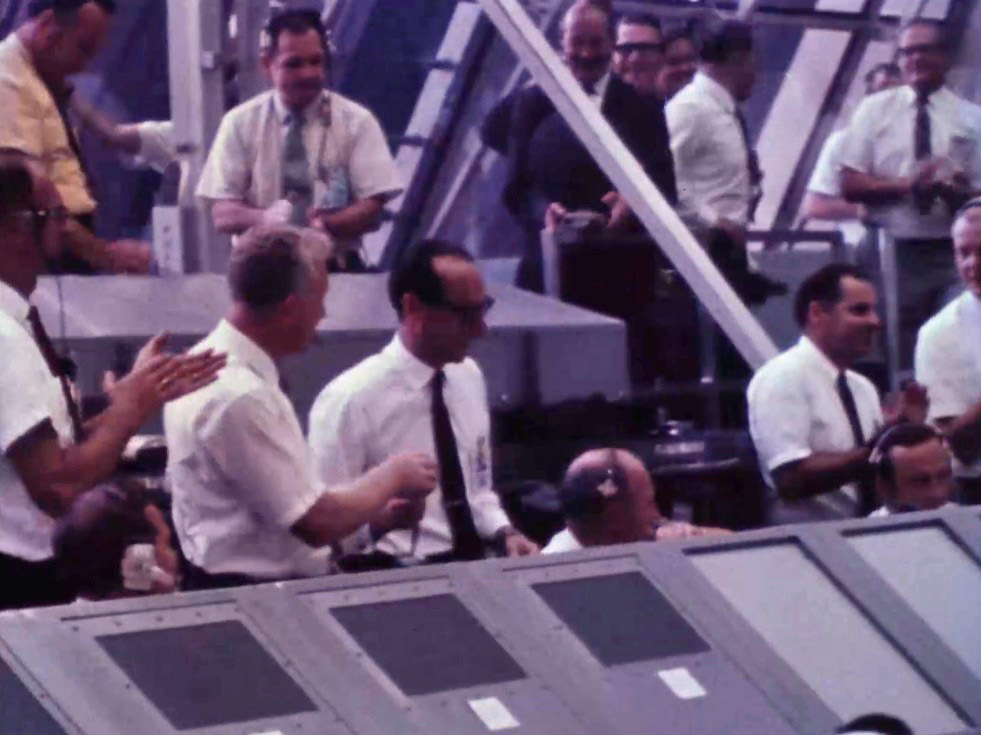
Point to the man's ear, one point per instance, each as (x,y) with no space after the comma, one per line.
(411,304)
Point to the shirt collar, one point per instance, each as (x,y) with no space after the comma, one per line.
(284,115)
(818,358)
(226,338)
(13,303)
(716,91)
(416,372)
(935,97)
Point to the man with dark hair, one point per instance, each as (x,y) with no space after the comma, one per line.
(246,505)
(422,393)
(875,723)
(114,543)
(812,417)
(913,157)
(719,177)
(59,38)
(607,498)
(948,358)
(912,470)
(300,153)
(548,165)
(823,198)
(679,64)
(638,52)
(47,456)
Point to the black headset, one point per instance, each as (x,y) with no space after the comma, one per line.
(969,205)
(880,458)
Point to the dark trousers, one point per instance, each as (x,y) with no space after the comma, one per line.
(196,578)
(31,584)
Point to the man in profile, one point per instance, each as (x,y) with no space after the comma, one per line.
(679,64)
(607,498)
(246,506)
(59,39)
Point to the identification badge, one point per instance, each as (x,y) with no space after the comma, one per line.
(482,471)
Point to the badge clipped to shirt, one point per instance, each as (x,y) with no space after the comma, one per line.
(482,464)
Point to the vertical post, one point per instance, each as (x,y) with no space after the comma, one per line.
(195,35)
(889,269)
(250,19)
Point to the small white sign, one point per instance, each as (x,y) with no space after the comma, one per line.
(493,714)
(682,683)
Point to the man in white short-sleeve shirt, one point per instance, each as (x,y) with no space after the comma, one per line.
(913,156)
(47,456)
(948,357)
(300,153)
(245,505)
(422,393)
(812,417)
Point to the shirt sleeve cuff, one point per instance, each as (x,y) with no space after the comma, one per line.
(786,457)
(20,426)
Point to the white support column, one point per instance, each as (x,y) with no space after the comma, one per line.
(194,35)
(658,217)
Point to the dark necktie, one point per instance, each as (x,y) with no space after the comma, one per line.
(297,182)
(466,541)
(866,491)
(61,98)
(922,148)
(753,165)
(60,367)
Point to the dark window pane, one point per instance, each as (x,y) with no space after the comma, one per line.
(20,712)
(621,618)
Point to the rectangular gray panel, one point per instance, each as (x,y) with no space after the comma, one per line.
(621,618)
(206,675)
(936,578)
(20,712)
(823,636)
(428,644)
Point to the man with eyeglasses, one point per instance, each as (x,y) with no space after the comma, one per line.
(48,456)
(639,52)
(913,156)
(59,39)
(422,393)
(299,153)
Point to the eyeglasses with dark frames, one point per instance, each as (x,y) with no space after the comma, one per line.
(470,313)
(628,48)
(42,216)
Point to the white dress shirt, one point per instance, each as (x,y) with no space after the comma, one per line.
(29,395)
(795,411)
(238,467)
(826,177)
(561,542)
(345,146)
(710,156)
(948,363)
(885,512)
(32,123)
(382,406)
(881,144)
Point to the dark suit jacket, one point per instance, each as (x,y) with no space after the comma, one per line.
(546,161)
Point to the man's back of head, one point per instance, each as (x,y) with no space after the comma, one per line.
(912,468)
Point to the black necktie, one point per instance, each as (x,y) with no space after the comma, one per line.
(466,541)
(866,491)
(753,165)
(61,98)
(922,148)
(61,367)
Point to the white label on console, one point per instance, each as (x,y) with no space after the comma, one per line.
(493,714)
(682,683)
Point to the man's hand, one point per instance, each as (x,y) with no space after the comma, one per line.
(514,544)
(398,513)
(620,213)
(553,216)
(128,256)
(910,405)
(414,473)
(162,378)
(277,213)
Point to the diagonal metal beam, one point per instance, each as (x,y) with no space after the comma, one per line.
(626,174)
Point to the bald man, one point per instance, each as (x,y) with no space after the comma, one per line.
(948,357)
(607,498)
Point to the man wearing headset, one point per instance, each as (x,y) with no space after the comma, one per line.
(607,498)
(912,470)
(299,153)
(948,357)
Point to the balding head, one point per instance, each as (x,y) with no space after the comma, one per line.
(608,498)
(966,234)
(587,40)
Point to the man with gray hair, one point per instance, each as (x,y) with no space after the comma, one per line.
(246,506)
(948,357)
(607,498)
